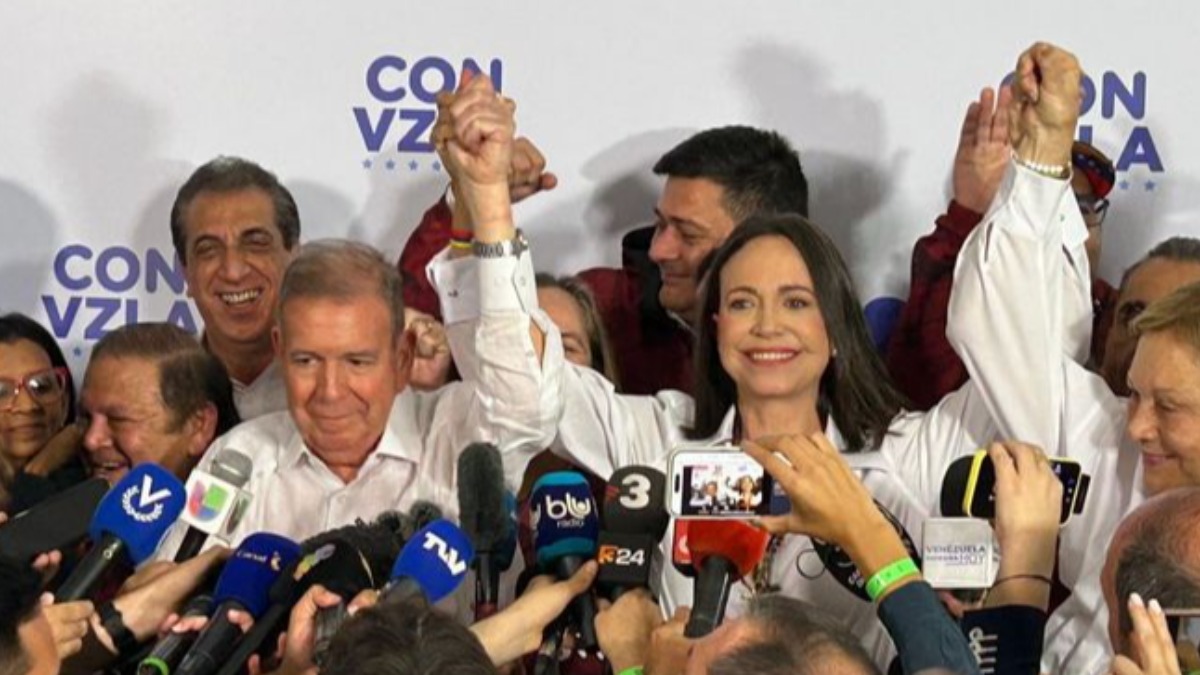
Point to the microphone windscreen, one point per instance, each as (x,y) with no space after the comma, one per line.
(681,555)
(335,564)
(481,504)
(437,558)
(139,509)
(378,543)
(563,518)
(635,502)
(232,466)
(253,568)
(954,487)
(59,522)
(421,515)
(734,540)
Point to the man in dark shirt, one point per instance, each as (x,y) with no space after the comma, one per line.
(714,180)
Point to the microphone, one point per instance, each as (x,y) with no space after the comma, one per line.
(244,585)
(484,515)
(681,555)
(960,553)
(635,520)
(565,527)
(57,523)
(431,565)
(954,487)
(723,551)
(215,500)
(128,525)
(169,651)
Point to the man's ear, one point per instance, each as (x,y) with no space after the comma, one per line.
(406,349)
(201,428)
(277,341)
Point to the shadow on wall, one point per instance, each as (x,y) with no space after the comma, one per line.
(833,131)
(31,236)
(624,194)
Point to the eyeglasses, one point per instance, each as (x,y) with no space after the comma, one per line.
(1095,209)
(44,386)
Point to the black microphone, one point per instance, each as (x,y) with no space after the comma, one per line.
(723,551)
(215,500)
(169,651)
(129,523)
(484,515)
(635,520)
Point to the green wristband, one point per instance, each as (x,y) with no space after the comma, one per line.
(888,576)
(633,670)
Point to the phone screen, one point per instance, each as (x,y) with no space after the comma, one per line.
(983,496)
(724,484)
(1184,624)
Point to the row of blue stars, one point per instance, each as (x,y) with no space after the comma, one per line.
(391,164)
(1148,186)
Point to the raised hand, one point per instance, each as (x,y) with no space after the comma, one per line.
(431,351)
(1046,99)
(983,150)
(479,153)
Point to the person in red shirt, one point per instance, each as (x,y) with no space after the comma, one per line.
(715,179)
(919,358)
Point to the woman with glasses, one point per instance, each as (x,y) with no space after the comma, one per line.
(39,442)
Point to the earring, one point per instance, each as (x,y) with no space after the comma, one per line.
(833,354)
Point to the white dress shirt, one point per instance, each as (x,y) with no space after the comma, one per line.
(265,395)
(505,398)
(1021,288)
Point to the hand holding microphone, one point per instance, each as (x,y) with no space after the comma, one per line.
(625,626)
(565,529)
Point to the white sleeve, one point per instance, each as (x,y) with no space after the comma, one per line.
(602,430)
(515,401)
(1018,301)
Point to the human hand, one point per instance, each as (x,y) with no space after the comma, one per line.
(479,153)
(1152,643)
(625,626)
(300,639)
(828,500)
(1028,506)
(517,630)
(669,648)
(147,606)
(1046,99)
(983,150)
(58,451)
(431,351)
(68,623)
(47,564)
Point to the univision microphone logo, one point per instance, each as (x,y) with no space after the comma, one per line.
(149,505)
(206,502)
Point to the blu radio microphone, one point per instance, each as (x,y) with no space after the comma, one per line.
(244,585)
(635,520)
(483,512)
(565,528)
(723,551)
(170,650)
(215,500)
(128,525)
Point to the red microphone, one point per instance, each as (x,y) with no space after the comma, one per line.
(723,551)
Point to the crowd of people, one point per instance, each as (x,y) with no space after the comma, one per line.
(354,384)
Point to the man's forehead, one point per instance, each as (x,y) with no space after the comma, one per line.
(127,379)
(247,208)
(1158,277)
(697,200)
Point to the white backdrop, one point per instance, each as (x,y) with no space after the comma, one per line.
(107,107)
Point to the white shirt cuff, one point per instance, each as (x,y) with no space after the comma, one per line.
(471,287)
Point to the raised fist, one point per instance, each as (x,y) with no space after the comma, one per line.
(1046,99)
(476,139)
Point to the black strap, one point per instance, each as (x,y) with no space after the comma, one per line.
(112,621)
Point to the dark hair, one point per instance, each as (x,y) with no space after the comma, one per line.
(794,638)
(342,269)
(1159,561)
(855,388)
(604,360)
(231,174)
(20,588)
(16,326)
(405,638)
(189,378)
(1176,249)
(759,170)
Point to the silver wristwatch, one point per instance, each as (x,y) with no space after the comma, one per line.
(512,247)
